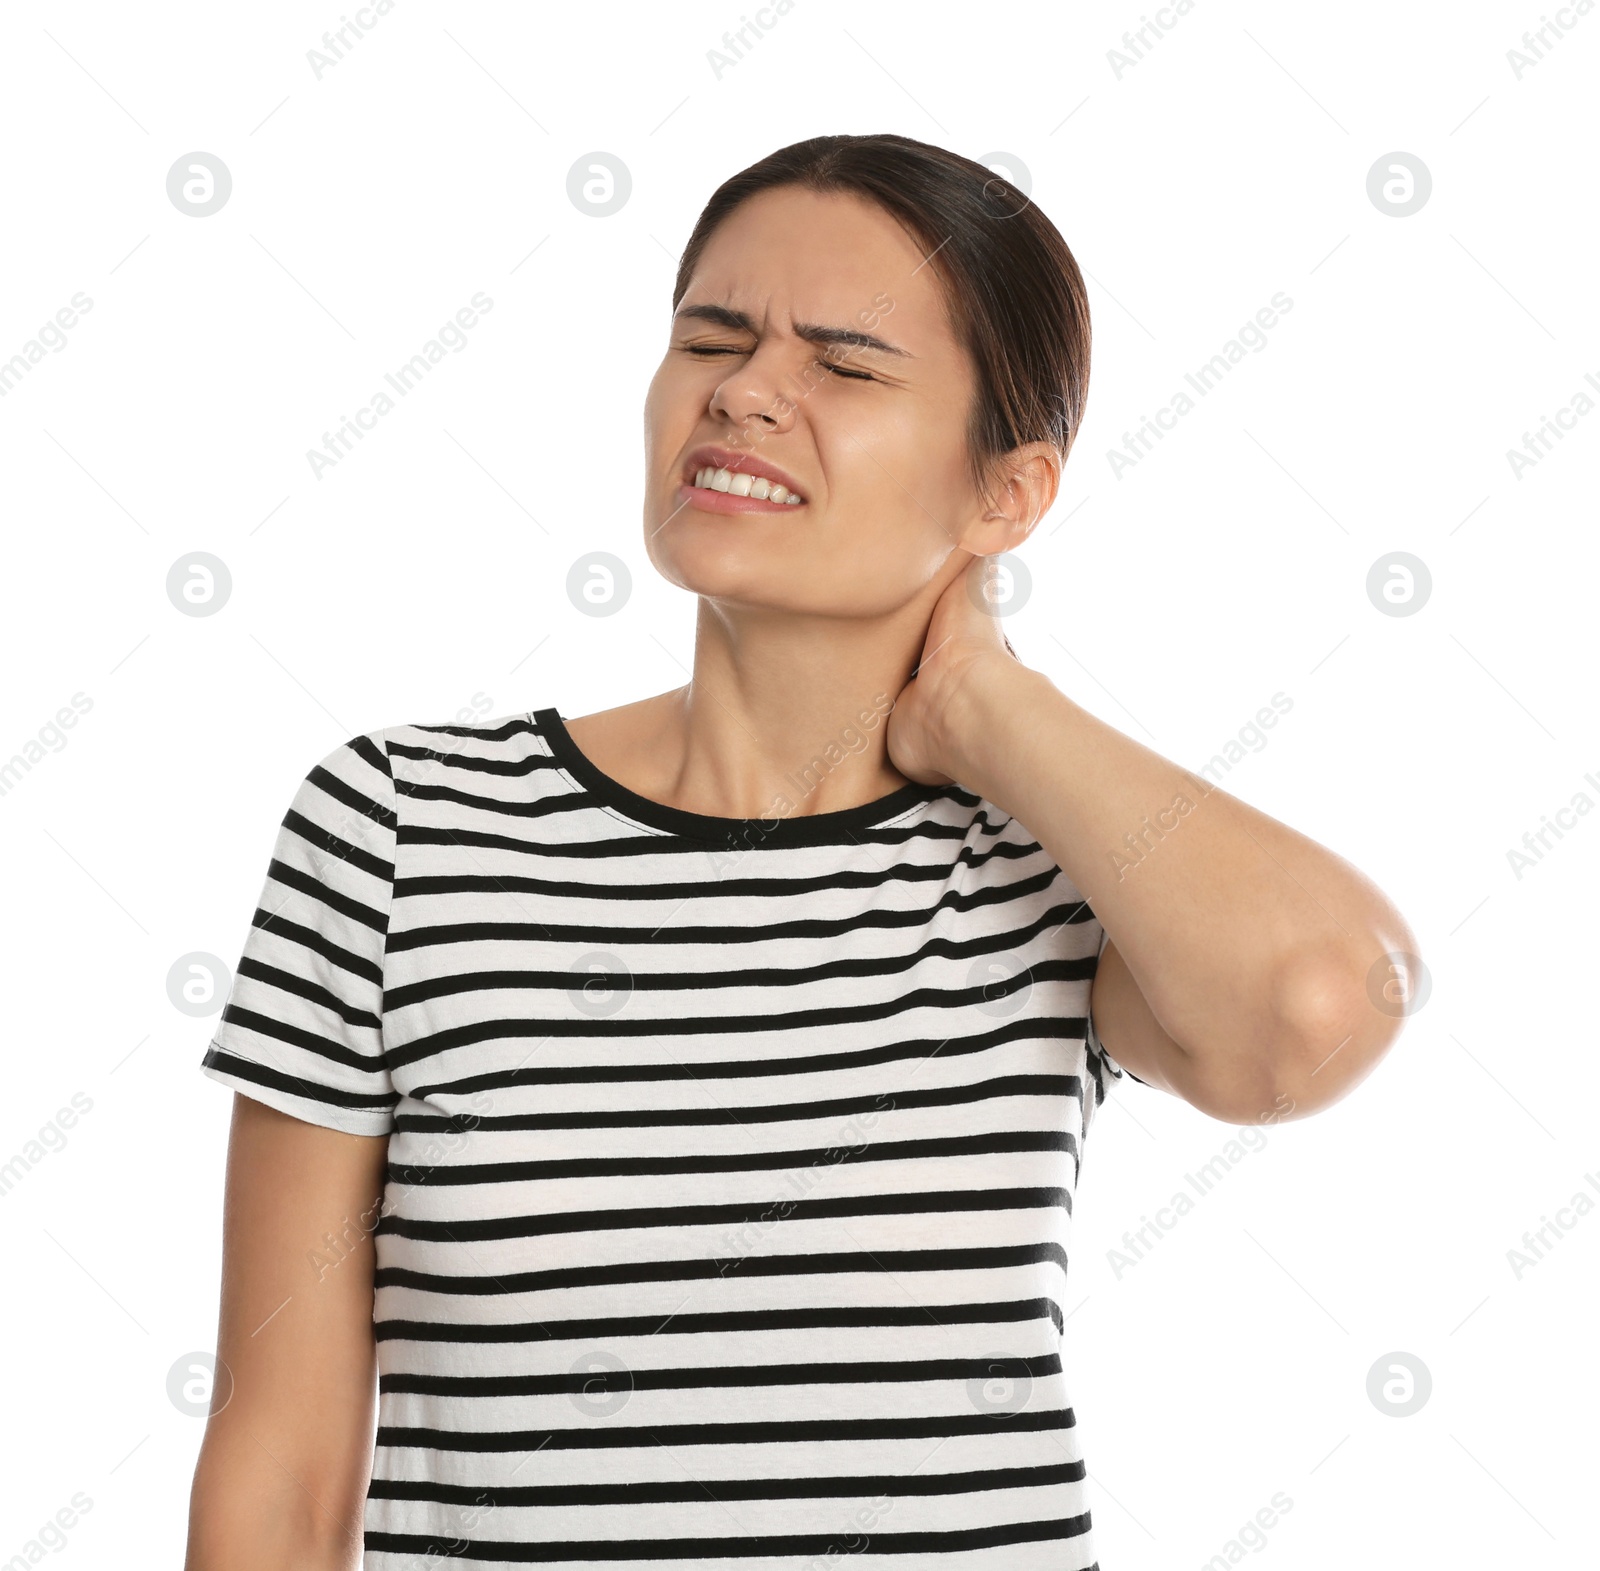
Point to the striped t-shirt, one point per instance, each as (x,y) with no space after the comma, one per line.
(731,1162)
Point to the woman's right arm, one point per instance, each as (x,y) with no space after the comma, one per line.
(284,1466)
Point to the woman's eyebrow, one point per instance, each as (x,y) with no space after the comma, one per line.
(811,332)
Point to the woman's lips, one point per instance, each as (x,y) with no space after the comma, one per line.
(709,501)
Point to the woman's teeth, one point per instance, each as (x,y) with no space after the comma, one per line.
(737,484)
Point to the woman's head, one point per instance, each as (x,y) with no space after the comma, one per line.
(898,332)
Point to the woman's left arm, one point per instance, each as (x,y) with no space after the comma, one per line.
(1245,962)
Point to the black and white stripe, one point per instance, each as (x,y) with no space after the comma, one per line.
(730,1165)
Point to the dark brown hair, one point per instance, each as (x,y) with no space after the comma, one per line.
(1014,293)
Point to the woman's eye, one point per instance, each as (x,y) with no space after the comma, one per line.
(706,351)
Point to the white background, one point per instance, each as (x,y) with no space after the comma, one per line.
(1230,163)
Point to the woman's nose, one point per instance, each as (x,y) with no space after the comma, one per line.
(757,392)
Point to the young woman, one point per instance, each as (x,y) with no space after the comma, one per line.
(681,1107)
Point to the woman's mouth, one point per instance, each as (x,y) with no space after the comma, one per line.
(715,490)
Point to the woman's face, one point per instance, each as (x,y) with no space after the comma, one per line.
(869,415)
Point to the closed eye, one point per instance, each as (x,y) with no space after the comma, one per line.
(837,370)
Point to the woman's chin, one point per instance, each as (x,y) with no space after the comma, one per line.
(711,562)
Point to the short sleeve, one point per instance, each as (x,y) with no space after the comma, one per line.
(1102,1066)
(302,1029)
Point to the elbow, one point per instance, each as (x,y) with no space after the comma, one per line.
(1334,1019)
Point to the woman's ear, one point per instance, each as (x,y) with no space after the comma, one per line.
(1028,479)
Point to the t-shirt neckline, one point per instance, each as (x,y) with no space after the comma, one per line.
(832,828)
